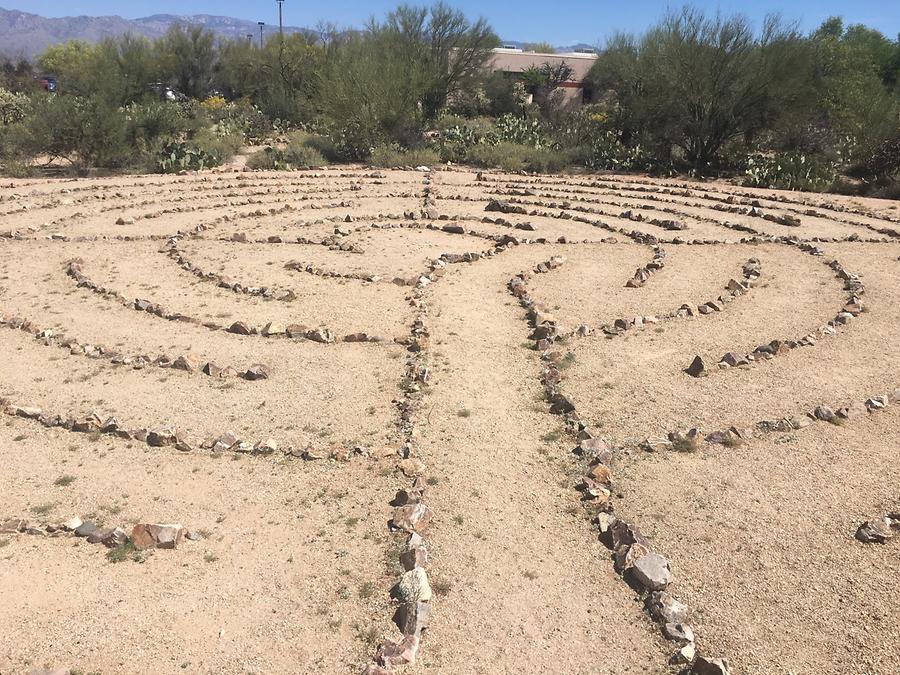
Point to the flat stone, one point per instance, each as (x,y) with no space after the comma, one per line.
(600,473)
(212,369)
(273,328)
(413,558)
(706,666)
(875,531)
(258,371)
(678,632)
(161,437)
(560,404)
(72,524)
(391,654)
(412,617)
(664,607)
(652,572)
(146,535)
(824,413)
(85,529)
(225,442)
(686,654)
(412,518)
(734,359)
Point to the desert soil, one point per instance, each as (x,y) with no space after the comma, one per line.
(292,562)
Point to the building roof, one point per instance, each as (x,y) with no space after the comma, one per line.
(518,61)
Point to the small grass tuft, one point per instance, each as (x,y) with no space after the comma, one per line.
(366,589)
(465,412)
(123,552)
(43,509)
(64,480)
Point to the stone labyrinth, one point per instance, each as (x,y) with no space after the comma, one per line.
(447,421)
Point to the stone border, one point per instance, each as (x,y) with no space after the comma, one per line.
(852,308)
(161,436)
(751,271)
(143,536)
(188,363)
(645,571)
(271,330)
(733,196)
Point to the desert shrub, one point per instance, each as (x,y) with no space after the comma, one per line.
(355,140)
(504,95)
(454,143)
(881,163)
(13,107)
(521,131)
(205,150)
(237,118)
(148,125)
(297,155)
(506,156)
(390,156)
(324,145)
(219,142)
(86,131)
(516,157)
(790,171)
(182,156)
(593,141)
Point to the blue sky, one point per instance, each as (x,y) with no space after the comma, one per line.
(560,22)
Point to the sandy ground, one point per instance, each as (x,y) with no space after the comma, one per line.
(295,563)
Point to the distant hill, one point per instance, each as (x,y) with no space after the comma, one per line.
(24,34)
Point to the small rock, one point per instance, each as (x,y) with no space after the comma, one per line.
(686,654)
(392,654)
(412,518)
(875,531)
(73,524)
(824,413)
(114,537)
(414,587)
(258,371)
(704,666)
(652,572)
(239,328)
(697,367)
(412,617)
(145,535)
(665,608)
(85,529)
(161,437)
(678,632)
(187,362)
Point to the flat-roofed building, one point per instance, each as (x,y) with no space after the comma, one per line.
(574,91)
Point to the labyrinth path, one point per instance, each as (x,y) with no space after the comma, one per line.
(448,421)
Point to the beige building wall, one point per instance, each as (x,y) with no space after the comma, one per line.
(517,61)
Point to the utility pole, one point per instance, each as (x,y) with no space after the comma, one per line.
(280,18)
(260,24)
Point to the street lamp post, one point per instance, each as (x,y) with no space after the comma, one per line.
(250,38)
(280,19)
(260,24)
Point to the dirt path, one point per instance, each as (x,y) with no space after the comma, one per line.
(530,588)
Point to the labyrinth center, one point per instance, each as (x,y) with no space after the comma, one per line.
(448,421)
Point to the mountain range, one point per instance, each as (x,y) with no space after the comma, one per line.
(24,34)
